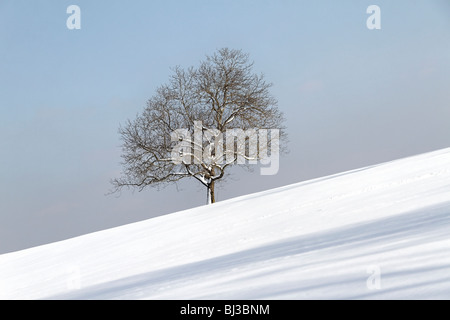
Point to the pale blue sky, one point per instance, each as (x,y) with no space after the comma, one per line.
(352,96)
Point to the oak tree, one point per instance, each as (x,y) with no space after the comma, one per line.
(204,120)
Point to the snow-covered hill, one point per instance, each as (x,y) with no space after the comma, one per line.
(377,232)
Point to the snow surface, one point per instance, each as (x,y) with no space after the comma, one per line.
(381,232)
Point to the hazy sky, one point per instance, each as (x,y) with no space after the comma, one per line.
(352,96)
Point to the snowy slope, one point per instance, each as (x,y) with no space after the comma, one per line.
(381,232)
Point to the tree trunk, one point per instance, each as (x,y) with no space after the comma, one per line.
(210,196)
(211,191)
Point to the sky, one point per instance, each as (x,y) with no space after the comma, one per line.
(352,96)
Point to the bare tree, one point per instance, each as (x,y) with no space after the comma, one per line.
(181,133)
